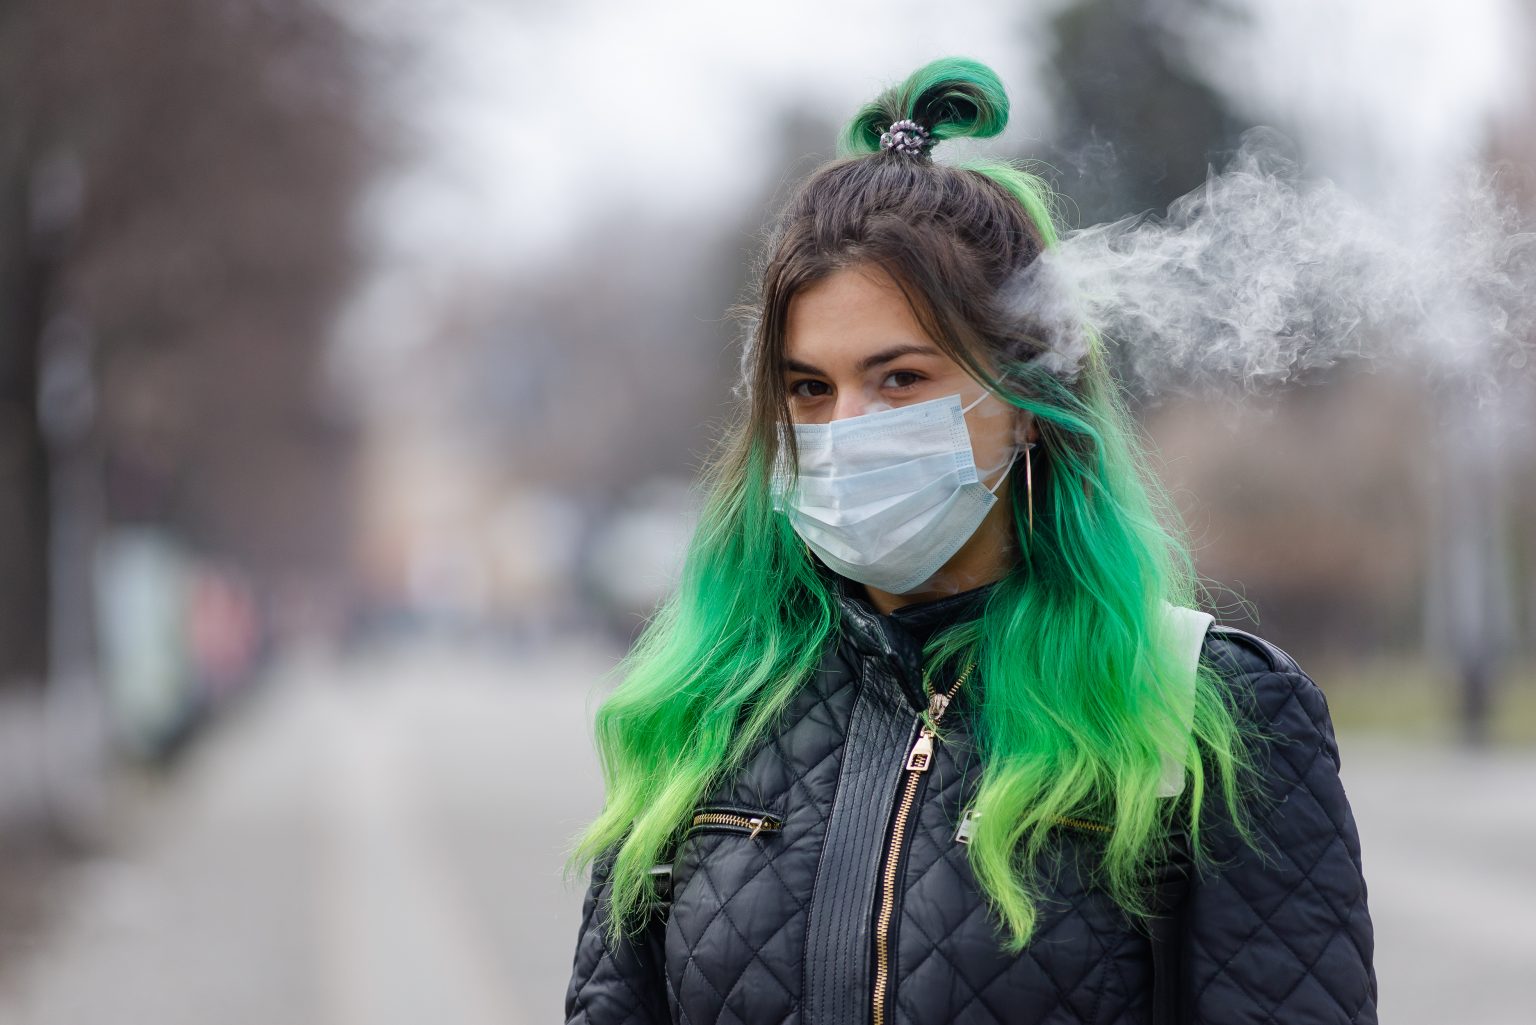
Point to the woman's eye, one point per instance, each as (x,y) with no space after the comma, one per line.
(902,379)
(809,389)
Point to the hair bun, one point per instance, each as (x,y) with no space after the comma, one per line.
(950,98)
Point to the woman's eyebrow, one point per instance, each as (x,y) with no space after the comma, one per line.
(868,362)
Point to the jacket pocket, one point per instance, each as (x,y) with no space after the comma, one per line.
(716,818)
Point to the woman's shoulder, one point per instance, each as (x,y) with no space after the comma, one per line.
(1237,652)
(1269,684)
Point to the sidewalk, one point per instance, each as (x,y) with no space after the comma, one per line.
(1448,840)
(354,849)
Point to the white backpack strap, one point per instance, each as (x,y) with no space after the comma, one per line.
(1185,629)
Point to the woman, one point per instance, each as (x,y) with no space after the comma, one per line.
(928,732)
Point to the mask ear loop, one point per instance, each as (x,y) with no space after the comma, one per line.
(973,404)
(1029,483)
(1006,469)
(966,409)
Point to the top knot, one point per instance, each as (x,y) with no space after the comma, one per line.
(949,98)
(908,137)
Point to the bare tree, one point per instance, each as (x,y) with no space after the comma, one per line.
(177,183)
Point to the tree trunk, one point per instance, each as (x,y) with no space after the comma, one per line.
(24,276)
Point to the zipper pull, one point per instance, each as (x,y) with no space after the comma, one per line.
(922,752)
(757,827)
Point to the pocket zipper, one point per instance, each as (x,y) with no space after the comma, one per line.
(1097,827)
(752,825)
(968,825)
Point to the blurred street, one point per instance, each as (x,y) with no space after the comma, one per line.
(368,844)
(377,841)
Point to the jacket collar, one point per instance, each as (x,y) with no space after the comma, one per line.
(897,639)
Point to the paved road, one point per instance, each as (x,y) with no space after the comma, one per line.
(378,842)
(1449,841)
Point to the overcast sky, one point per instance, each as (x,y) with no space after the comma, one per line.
(523,110)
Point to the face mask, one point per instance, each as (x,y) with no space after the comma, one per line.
(887,498)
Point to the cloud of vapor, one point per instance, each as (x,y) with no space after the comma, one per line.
(1264,274)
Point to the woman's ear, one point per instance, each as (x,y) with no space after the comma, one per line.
(1024,429)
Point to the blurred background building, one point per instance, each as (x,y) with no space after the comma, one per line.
(356,364)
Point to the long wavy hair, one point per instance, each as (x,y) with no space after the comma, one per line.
(1078,696)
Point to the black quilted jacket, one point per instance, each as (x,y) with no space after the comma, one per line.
(779,917)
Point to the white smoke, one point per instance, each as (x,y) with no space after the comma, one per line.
(1264,275)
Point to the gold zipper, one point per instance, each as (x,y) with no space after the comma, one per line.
(919,760)
(754,823)
(968,825)
(1084,824)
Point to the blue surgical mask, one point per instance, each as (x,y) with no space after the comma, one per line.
(888,498)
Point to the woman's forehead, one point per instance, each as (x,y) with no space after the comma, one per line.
(848,316)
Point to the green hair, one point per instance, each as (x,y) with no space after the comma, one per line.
(1078,696)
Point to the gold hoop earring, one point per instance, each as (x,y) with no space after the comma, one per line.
(1029,486)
